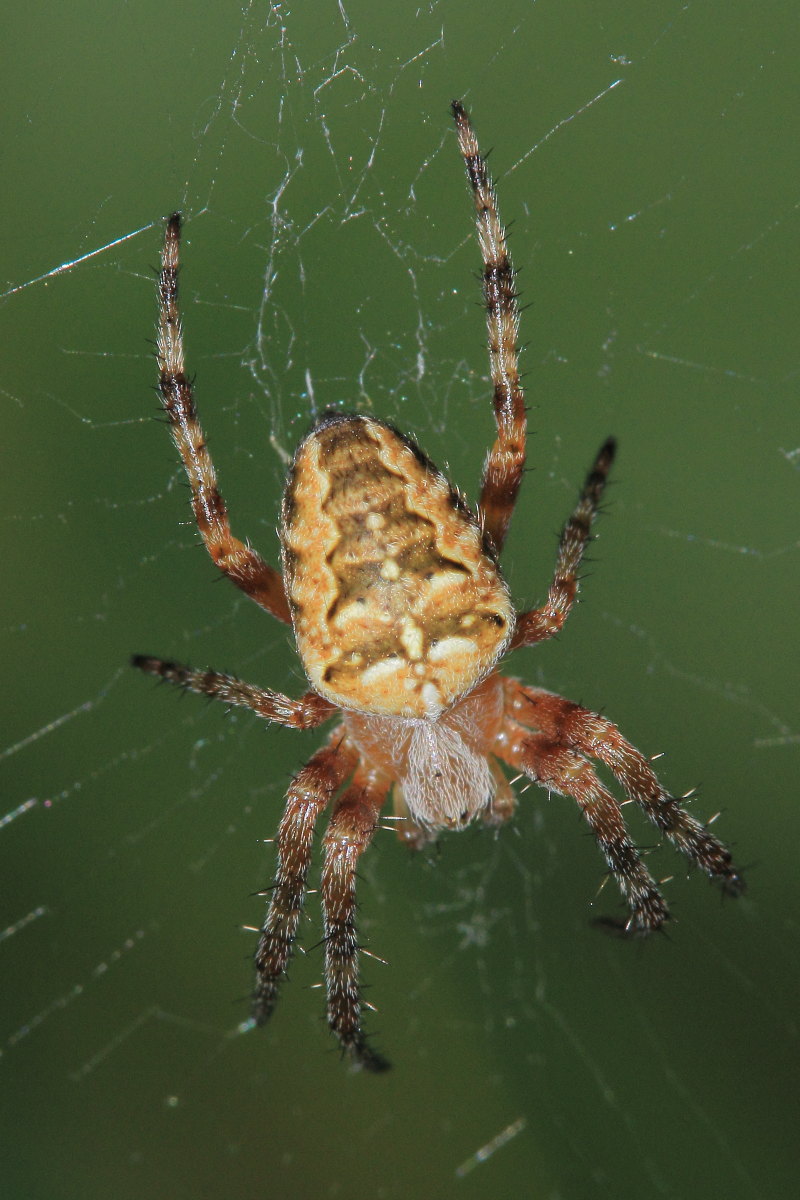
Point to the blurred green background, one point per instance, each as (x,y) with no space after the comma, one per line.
(329,259)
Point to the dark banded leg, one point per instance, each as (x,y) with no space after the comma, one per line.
(310,792)
(306,713)
(590,733)
(505,463)
(354,820)
(236,560)
(562,770)
(545,622)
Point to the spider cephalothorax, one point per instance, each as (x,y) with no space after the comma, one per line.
(401,616)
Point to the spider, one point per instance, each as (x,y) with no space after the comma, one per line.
(401,616)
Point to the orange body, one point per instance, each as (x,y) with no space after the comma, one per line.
(397,601)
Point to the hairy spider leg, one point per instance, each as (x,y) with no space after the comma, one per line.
(239,562)
(306,713)
(541,623)
(309,794)
(505,463)
(352,825)
(588,732)
(562,770)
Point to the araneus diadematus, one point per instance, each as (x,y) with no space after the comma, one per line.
(401,616)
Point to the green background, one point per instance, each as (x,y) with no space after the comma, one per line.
(330,260)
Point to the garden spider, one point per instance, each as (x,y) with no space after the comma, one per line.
(401,616)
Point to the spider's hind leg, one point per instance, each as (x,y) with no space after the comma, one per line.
(545,622)
(235,558)
(505,462)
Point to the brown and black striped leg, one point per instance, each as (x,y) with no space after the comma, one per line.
(541,623)
(310,792)
(354,820)
(561,770)
(590,733)
(306,713)
(235,559)
(505,463)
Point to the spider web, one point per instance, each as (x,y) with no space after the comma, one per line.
(646,161)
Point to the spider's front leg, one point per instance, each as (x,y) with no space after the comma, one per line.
(587,732)
(310,792)
(560,769)
(354,820)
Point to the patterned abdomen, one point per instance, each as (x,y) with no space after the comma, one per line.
(397,606)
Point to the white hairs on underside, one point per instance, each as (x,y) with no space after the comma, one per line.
(446,782)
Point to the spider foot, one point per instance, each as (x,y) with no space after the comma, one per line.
(265,997)
(362,1056)
(648,912)
(733,883)
(646,918)
(272,960)
(613,927)
(647,909)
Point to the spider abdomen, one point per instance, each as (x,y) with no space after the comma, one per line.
(397,603)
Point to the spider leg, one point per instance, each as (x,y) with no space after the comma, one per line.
(505,463)
(310,792)
(352,824)
(562,770)
(306,713)
(541,623)
(590,733)
(235,559)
